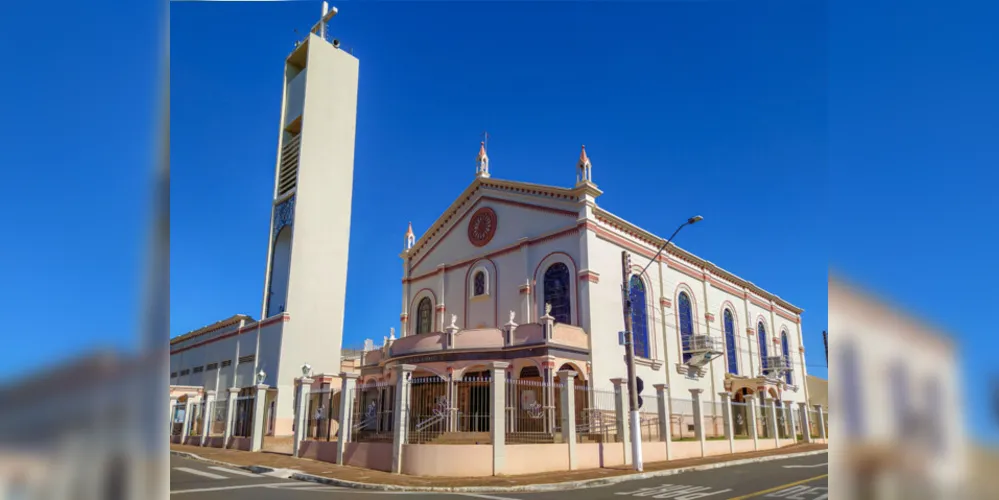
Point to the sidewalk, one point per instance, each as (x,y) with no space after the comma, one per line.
(372,478)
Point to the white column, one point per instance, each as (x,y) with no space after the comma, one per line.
(230,409)
(301,418)
(621,416)
(348,382)
(259,404)
(726,400)
(206,409)
(822,423)
(806,428)
(400,420)
(497,413)
(751,421)
(525,289)
(568,416)
(173,413)
(772,406)
(695,394)
(789,418)
(187,420)
(662,393)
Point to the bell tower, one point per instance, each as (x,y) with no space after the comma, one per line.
(306,272)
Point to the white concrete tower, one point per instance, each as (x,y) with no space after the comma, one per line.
(306,273)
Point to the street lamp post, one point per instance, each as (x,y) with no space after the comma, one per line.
(629,348)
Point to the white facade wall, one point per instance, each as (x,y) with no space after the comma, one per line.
(529,239)
(201,351)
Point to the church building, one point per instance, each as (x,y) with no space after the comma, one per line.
(532,275)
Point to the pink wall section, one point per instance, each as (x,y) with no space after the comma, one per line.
(318,450)
(377,456)
(240,443)
(447,460)
(535,458)
(744,445)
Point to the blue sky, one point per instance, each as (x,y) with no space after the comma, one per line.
(862,136)
(684,108)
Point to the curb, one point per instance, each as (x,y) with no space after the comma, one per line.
(571,485)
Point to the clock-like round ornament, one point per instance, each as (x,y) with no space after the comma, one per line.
(482,226)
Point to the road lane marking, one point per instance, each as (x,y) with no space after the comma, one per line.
(238,472)
(485,496)
(781,487)
(676,491)
(805,466)
(222,488)
(199,473)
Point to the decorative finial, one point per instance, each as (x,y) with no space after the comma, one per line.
(584,169)
(410,237)
(512,315)
(391,333)
(548,309)
(454,319)
(482,161)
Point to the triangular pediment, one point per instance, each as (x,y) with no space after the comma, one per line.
(520,209)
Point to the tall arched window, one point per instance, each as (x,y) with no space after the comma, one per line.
(480,283)
(733,363)
(557,292)
(424,316)
(787,356)
(639,322)
(761,333)
(686,324)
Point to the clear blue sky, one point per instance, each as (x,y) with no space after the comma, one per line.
(805,137)
(684,108)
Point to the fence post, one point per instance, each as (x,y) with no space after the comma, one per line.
(207,408)
(301,419)
(620,416)
(822,423)
(665,419)
(789,418)
(348,381)
(230,409)
(727,420)
(568,416)
(695,394)
(497,412)
(806,427)
(751,421)
(187,420)
(403,373)
(769,401)
(259,404)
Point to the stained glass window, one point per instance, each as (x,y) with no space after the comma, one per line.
(424,316)
(787,356)
(480,283)
(557,292)
(733,364)
(761,333)
(686,323)
(639,323)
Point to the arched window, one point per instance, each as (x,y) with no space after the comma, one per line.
(787,356)
(639,323)
(686,323)
(557,292)
(424,316)
(479,283)
(761,333)
(733,363)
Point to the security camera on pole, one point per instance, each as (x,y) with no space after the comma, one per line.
(629,347)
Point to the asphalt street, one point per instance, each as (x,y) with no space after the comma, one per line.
(800,479)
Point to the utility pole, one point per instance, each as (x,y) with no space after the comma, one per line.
(629,349)
(825,342)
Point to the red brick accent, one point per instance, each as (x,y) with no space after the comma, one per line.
(750,332)
(525,289)
(440,307)
(403,316)
(665,302)
(589,276)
